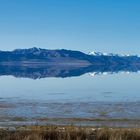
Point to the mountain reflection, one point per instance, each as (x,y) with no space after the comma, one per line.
(37,72)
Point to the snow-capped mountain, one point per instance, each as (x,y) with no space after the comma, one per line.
(99,54)
(95,53)
(38,55)
(110,54)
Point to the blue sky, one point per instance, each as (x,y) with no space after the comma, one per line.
(85,25)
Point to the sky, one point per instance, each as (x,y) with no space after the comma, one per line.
(85,25)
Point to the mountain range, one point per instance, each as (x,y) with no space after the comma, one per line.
(40,63)
(65,57)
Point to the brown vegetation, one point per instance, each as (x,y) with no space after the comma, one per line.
(69,133)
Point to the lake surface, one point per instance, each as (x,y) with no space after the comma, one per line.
(84,99)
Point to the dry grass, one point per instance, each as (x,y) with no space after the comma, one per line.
(70,133)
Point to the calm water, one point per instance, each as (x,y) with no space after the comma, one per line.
(114,96)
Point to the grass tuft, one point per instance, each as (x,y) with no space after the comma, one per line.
(70,133)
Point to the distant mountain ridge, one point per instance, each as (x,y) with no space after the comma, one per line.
(62,56)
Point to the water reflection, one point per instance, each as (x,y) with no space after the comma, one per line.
(37,72)
(69,99)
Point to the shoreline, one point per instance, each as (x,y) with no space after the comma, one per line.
(83,122)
